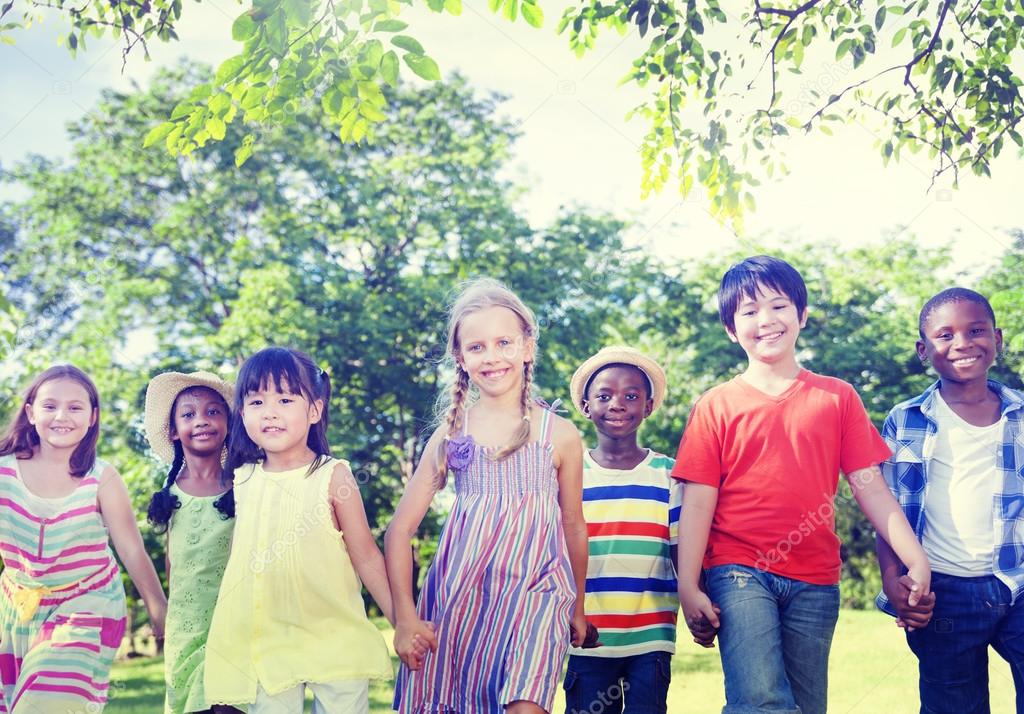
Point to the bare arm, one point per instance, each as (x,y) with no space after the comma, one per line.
(569,452)
(116,507)
(415,501)
(877,502)
(694,526)
(362,548)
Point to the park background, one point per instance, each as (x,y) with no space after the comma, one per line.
(519,165)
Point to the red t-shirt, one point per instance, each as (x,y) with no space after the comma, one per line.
(775,462)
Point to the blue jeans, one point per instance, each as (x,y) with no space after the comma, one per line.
(774,639)
(598,685)
(952,651)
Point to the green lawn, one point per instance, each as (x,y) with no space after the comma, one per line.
(872,670)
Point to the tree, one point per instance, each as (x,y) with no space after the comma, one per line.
(348,252)
(725,85)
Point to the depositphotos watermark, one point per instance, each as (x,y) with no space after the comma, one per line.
(609,697)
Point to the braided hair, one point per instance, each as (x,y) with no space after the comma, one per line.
(451,406)
(163,503)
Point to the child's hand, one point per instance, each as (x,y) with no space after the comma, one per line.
(157,616)
(412,641)
(921,582)
(913,610)
(701,616)
(582,633)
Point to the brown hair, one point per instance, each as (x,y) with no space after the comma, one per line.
(21,438)
(473,296)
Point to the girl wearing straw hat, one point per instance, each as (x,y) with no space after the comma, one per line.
(187,421)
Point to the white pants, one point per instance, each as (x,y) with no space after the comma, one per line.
(342,697)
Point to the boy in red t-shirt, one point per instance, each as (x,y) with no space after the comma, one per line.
(761,457)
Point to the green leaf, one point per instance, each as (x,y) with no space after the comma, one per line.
(242,154)
(277,33)
(454,7)
(880,17)
(389,68)
(843,48)
(409,44)
(511,10)
(533,14)
(219,103)
(898,37)
(423,66)
(182,109)
(390,26)
(300,12)
(158,132)
(243,27)
(371,112)
(216,127)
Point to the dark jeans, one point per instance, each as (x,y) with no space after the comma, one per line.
(952,651)
(598,685)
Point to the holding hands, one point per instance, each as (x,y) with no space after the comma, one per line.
(701,615)
(412,641)
(914,603)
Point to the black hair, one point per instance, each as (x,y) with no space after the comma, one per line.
(750,276)
(163,503)
(953,295)
(648,387)
(280,366)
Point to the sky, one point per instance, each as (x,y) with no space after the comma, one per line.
(576,147)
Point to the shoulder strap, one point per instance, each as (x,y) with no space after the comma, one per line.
(546,423)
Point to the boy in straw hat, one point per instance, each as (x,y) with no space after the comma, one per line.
(187,420)
(631,505)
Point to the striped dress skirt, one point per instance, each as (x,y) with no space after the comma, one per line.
(62,605)
(499,591)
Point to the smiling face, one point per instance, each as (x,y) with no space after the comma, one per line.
(493,349)
(618,400)
(61,413)
(767,325)
(200,421)
(278,421)
(960,341)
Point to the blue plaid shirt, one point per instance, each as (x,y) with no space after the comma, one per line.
(910,429)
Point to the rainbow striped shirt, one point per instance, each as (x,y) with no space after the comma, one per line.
(632,520)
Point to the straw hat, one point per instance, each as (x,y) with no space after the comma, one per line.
(618,354)
(163,389)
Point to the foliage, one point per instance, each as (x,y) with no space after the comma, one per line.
(351,253)
(725,84)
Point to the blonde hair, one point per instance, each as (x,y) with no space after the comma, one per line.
(452,404)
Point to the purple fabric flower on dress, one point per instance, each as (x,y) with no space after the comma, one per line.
(460,452)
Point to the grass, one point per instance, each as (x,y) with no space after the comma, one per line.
(871,670)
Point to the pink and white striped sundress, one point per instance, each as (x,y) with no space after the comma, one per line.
(59,659)
(499,592)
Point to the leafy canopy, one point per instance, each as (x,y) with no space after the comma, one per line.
(724,83)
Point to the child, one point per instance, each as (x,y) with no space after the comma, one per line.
(761,457)
(187,424)
(290,611)
(631,505)
(957,469)
(499,599)
(62,605)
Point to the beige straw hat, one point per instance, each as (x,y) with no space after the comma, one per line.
(163,389)
(618,354)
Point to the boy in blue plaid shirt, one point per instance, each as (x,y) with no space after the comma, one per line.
(957,470)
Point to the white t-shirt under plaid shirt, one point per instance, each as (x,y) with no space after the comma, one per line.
(632,520)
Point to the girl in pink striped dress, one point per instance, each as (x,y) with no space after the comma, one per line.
(62,606)
(498,607)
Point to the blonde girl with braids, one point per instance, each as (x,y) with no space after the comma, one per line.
(498,608)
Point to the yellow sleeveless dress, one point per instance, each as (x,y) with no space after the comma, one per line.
(290,608)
